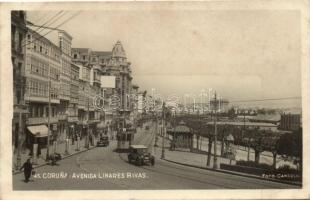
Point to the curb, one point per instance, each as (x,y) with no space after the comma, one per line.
(67,156)
(233,173)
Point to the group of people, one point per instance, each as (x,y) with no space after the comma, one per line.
(77,135)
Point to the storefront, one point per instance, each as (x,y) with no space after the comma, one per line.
(37,135)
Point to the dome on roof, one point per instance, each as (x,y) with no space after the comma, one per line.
(118,50)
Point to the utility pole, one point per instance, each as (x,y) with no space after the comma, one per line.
(49,114)
(87,137)
(163,128)
(18,164)
(215,134)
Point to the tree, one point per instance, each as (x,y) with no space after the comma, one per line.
(207,131)
(195,127)
(290,146)
(231,113)
(249,139)
(223,133)
(271,143)
(257,144)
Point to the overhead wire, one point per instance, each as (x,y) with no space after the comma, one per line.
(65,21)
(51,18)
(44,27)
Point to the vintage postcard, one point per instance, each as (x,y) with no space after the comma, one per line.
(155,100)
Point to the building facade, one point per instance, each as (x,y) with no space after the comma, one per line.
(42,71)
(74,100)
(18,35)
(105,63)
(290,122)
(64,40)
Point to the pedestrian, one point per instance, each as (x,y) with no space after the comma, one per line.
(27,166)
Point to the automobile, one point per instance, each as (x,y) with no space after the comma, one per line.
(103,141)
(54,157)
(139,155)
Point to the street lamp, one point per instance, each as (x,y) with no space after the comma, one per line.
(20,133)
(215,166)
(49,115)
(163,128)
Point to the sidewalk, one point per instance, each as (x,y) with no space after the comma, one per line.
(61,147)
(198,160)
(187,157)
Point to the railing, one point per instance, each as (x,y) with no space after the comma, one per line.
(73,119)
(63,117)
(41,120)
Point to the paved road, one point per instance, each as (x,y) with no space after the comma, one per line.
(112,172)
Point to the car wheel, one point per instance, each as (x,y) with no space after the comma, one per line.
(129,159)
(139,162)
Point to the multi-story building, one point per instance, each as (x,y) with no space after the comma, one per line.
(64,40)
(134,102)
(112,63)
(80,57)
(290,122)
(74,99)
(18,35)
(42,71)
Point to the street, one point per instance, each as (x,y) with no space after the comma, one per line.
(103,168)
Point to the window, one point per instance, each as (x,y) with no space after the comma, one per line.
(75,56)
(13,30)
(30,111)
(21,15)
(41,111)
(84,57)
(40,49)
(20,40)
(35,111)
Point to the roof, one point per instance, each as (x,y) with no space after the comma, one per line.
(180,129)
(102,53)
(118,50)
(65,33)
(41,37)
(138,146)
(81,50)
(135,86)
(246,123)
(273,117)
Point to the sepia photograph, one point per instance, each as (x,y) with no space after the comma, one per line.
(155,96)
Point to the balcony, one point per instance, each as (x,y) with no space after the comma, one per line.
(81,107)
(73,119)
(64,97)
(91,121)
(63,117)
(41,120)
(33,98)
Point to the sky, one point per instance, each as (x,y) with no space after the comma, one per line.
(241,54)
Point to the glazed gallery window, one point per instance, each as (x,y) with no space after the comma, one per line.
(36,110)
(38,67)
(37,88)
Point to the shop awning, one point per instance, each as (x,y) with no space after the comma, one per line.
(128,121)
(101,126)
(38,131)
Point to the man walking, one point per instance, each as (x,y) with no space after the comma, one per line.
(27,166)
